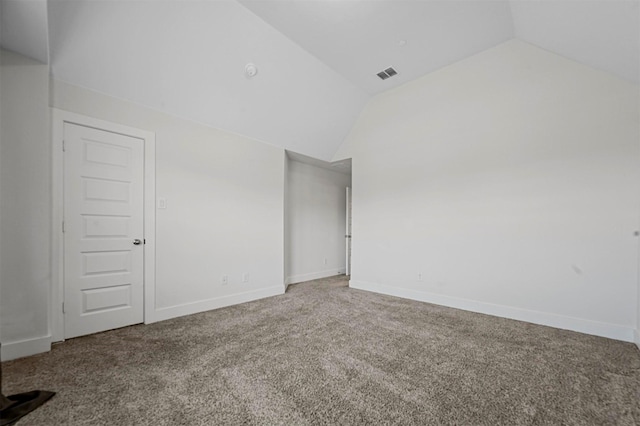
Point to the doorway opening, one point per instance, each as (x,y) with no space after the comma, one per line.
(316,228)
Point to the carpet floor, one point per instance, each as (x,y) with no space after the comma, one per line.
(326,354)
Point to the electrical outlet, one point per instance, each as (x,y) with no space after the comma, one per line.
(419,276)
(224,280)
(245,277)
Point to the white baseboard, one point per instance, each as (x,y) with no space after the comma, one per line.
(636,335)
(162,314)
(612,331)
(27,347)
(293,279)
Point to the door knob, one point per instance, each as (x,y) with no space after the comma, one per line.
(137,242)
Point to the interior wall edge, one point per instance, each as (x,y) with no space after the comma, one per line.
(294,279)
(192,158)
(24,348)
(580,325)
(26,194)
(166,313)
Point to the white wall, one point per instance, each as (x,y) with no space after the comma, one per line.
(25,198)
(316,222)
(506,183)
(225,206)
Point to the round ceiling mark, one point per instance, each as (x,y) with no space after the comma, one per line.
(251,70)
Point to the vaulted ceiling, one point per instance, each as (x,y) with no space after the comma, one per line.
(317,60)
(360,38)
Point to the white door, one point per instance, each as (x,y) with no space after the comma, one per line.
(347,236)
(103,230)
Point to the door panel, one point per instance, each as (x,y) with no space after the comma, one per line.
(103,215)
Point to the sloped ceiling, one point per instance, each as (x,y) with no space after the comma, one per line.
(317,59)
(23,28)
(188,58)
(360,38)
(602,34)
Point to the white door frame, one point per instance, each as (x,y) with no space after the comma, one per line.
(347,236)
(59,118)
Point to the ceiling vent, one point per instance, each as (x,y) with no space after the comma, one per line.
(389,72)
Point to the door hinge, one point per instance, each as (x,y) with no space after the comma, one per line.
(63,311)
(64,148)
(63,226)
(144,241)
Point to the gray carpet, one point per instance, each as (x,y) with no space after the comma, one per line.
(326,354)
